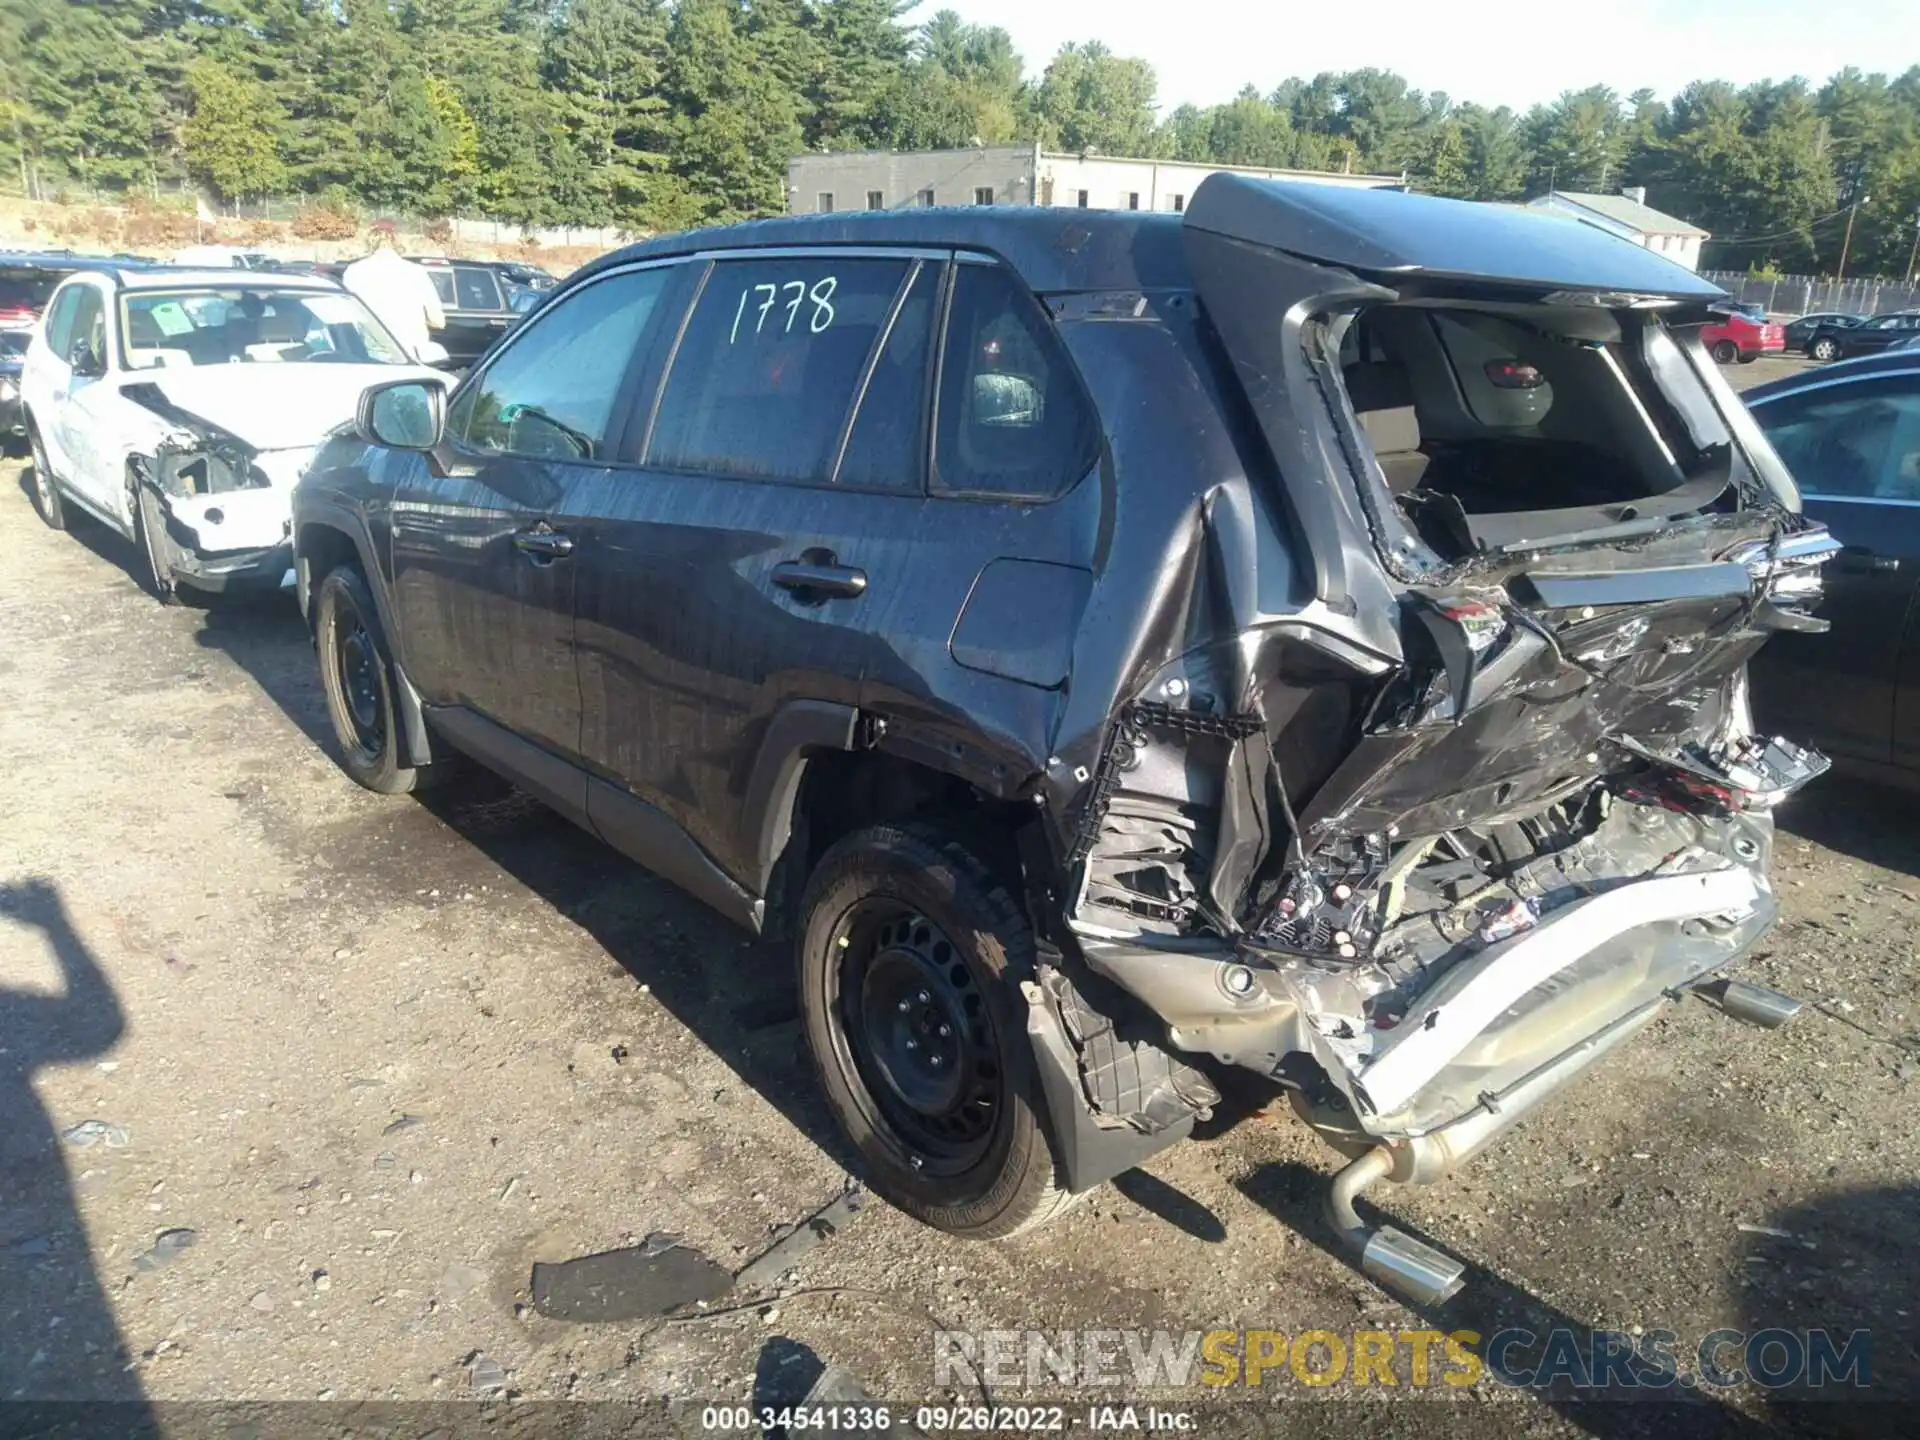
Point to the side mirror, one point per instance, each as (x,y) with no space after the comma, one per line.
(403,414)
(431,352)
(86,362)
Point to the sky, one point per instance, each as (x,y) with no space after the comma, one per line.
(1496,52)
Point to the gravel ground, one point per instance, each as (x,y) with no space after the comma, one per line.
(379,1058)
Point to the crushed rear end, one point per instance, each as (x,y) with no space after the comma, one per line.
(1426,842)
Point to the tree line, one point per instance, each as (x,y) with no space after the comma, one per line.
(657,114)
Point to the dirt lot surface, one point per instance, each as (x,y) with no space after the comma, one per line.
(380,1058)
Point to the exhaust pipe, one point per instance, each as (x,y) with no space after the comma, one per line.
(1395,1260)
(1390,1258)
(1756,1004)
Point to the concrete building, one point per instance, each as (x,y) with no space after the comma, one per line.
(1630,217)
(1013,175)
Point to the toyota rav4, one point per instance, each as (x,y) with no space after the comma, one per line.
(1307,633)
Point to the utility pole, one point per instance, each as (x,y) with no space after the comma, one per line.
(1913,255)
(1847,243)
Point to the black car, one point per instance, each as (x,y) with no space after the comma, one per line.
(1867,336)
(1851,435)
(13,417)
(1801,332)
(477,306)
(527,277)
(27,278)
(1306,633)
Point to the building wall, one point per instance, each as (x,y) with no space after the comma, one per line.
(1110,183)
(901,178)
(960,177)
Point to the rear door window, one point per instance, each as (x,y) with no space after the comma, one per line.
(443,285)
(770,365)
(1013,421)
(886,449)
(1859,441)
(477,288)
(551,393)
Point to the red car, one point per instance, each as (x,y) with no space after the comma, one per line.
(1745,335)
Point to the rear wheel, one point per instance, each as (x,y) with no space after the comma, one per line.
(356,676)
(1725,351)
(1824,349)
(46,495)
(910,961)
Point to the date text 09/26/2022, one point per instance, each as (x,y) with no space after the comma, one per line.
(868,1418)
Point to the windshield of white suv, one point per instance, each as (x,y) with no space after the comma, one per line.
(251,325)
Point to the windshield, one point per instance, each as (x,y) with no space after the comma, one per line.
(13,344)
(251,325)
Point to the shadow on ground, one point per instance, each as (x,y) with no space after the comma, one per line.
(1867,821)
(58,1338)
(1493,1307)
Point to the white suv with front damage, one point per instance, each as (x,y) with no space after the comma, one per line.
(180,406)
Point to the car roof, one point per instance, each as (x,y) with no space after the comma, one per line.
(1896,362)
(166,277)
(1052,248)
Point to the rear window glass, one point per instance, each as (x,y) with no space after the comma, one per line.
(442,285)
(770,363)
(1013,421)
(477,288)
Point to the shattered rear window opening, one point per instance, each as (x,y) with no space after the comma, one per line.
(1504,426)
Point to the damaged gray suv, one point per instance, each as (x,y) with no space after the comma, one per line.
(1306,634)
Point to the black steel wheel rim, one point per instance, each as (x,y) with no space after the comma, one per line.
(919,1034)
(357,683)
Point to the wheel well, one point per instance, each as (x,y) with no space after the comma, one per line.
(842,792)
(325,550)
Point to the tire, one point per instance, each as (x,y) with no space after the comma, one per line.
(148,529)
(942,1103)
(1748,357)
(356,678)
(46,495)
(1824,349)
(1725,351)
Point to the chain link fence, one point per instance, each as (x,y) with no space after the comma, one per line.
(1807,294)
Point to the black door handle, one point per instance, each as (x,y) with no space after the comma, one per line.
(543,543)
(808,578)
(1858,558)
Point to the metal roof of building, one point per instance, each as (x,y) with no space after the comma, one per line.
(1625,211)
